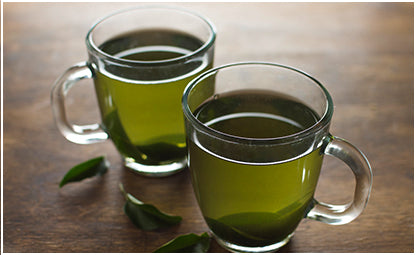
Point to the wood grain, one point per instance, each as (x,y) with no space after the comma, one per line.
(362,53)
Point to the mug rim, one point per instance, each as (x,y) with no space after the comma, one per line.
(93,48)
(315,128)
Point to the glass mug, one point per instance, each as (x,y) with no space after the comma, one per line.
(256,136)
(140,59)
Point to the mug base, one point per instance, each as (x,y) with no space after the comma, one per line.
(155,170)
(238,248)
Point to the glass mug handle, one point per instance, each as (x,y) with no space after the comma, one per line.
(355,159)
(81,134)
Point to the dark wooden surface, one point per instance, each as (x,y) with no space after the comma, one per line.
(362,52)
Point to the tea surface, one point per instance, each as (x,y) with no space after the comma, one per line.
(250,204)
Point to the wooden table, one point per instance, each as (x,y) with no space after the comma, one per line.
(362,52)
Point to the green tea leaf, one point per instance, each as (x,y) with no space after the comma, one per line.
(147,216)
(233,234)
(89,168)
(258,228)
(187,243)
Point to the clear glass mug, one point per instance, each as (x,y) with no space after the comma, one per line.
(140,59)
(256,135)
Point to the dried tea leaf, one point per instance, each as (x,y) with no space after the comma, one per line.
(147,216)
(187,243)
(87,169)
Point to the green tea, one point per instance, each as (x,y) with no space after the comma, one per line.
(140,106)
(252,204)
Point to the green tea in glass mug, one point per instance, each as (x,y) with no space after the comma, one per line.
(274,210)
(141,114)
(257,134)
(141,59)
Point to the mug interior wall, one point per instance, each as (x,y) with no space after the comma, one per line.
(264,77)
(151,19)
